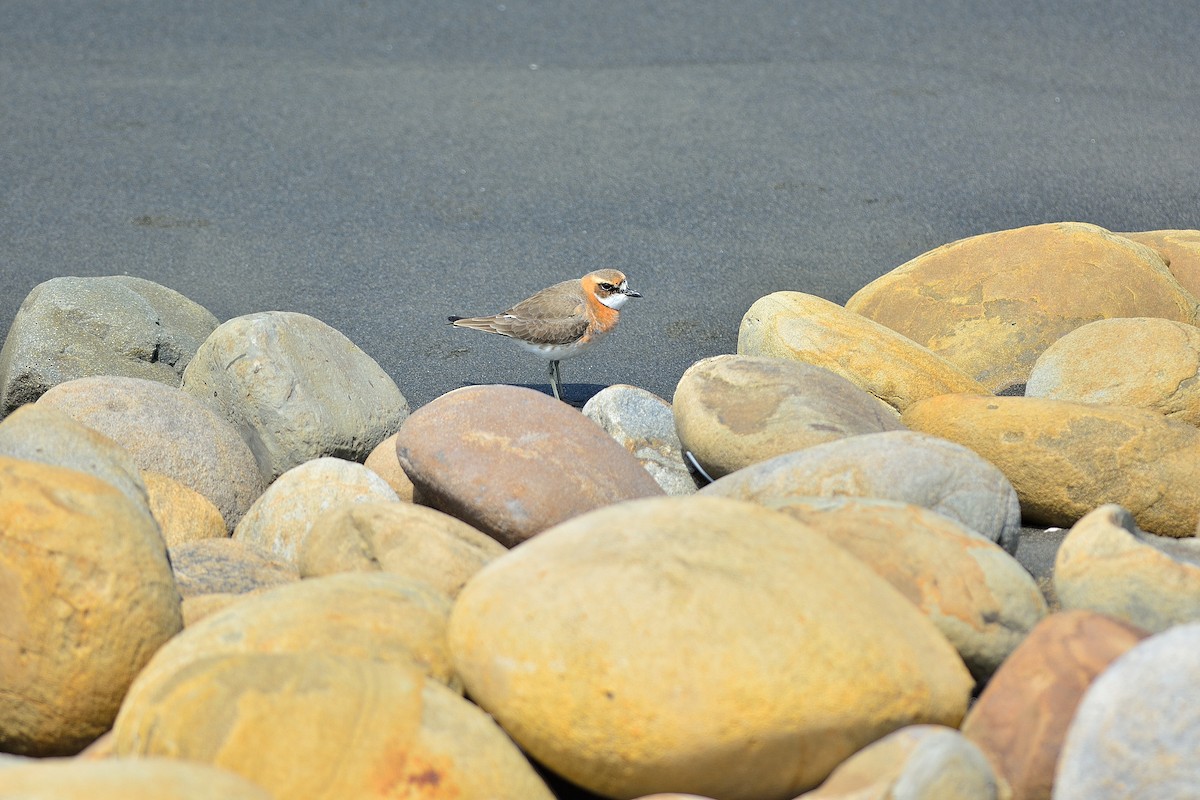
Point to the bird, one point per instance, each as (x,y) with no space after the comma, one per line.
(561,321)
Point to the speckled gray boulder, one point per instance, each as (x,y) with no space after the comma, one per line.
(644,424)
(116,325)
(904,466)
(296,389)
(1136,729)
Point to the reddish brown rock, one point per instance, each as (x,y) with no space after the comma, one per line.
(1022,717)
(513,462)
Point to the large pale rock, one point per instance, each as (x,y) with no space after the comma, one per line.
(226,566)
(309,725)
(87,597)
(1143,362)
(980,598)
(1065,459)
(1021,718)
(643,423)
(296,389)
(1180,249)
(398,538)
(1107,564)
(168,431)
(873,357)
(1136,729)
(378,617)
(990,304)
(733,411)
(182,513)
(125,779)
(384,463)
(281,518)
(512,462)
(696,645)
(925,762)
(903,466)
(115,325)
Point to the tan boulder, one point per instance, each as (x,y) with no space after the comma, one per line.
(990,304)
(201,606)
(384,463)
(125,779)
(226,566)
(697,645)
(1065,459)
(281,518)
(311,725)
(87,597)
(1180,249)
(1106,564)
(1143,362)
(1022,716)
(182,513)
(873,357)
(733,411)
(399,538)
(981,599)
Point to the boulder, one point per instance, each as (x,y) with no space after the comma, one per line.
(990,304)
(734,411)
(1180,249)
(643,424)
(698,645)
(182,514)
(875,358)
(903,466)
(71,328)
(296,389)
(1065,459)
(226,566)
(88,597)
(512,462)
(125,779)
(384,463)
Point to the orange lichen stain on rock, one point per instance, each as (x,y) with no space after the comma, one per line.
(405,774)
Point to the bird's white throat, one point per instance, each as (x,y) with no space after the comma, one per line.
(614,301)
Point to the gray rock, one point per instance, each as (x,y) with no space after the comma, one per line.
(226,566)
(644,424)
(296,389)
(117,325)
(1135,732)
(904,466)
(168,431)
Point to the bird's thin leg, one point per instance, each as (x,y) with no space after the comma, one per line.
(555,380)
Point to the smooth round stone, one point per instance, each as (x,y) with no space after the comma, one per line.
(124,779)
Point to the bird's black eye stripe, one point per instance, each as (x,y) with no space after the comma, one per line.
(608,287)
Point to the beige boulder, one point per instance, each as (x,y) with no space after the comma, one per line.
(125,779)
(990,304)
(697,645)
(875,358)
(399,538)
(384,463)
(226,566)
(312,725)
(1180,249)
(182,513)
(87,597)
(1065,459)
(733,411)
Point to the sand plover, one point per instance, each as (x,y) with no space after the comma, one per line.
(563,320)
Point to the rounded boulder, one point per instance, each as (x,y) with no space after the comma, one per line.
(125,779)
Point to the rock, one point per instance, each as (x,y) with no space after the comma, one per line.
(903,466)
(281,518)
(734,411)
(512,462)
(991,304)
(384,463)
(115,325)
(125,779)
(1180,249)
(399,538)
(1107,564)
(88,597)
(226,566)
(376,616)
(1065,459)
(697,645)
(643,424)
(1134,734)
(1144,362)
(201,606)
(875,358)
(1021,718)
(930,762)
(977,595)
(183,514)
(296,389)
(271,718)
(49,436)
(169,432)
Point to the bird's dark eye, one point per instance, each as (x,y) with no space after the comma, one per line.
(608,287)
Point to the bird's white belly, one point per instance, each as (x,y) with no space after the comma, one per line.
(557,352)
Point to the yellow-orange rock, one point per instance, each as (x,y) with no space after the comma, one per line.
(182,513)
(1180,249)
(873,357)
(990,304)
(125,779)
(384,463)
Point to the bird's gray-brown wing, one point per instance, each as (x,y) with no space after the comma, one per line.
(548,317)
